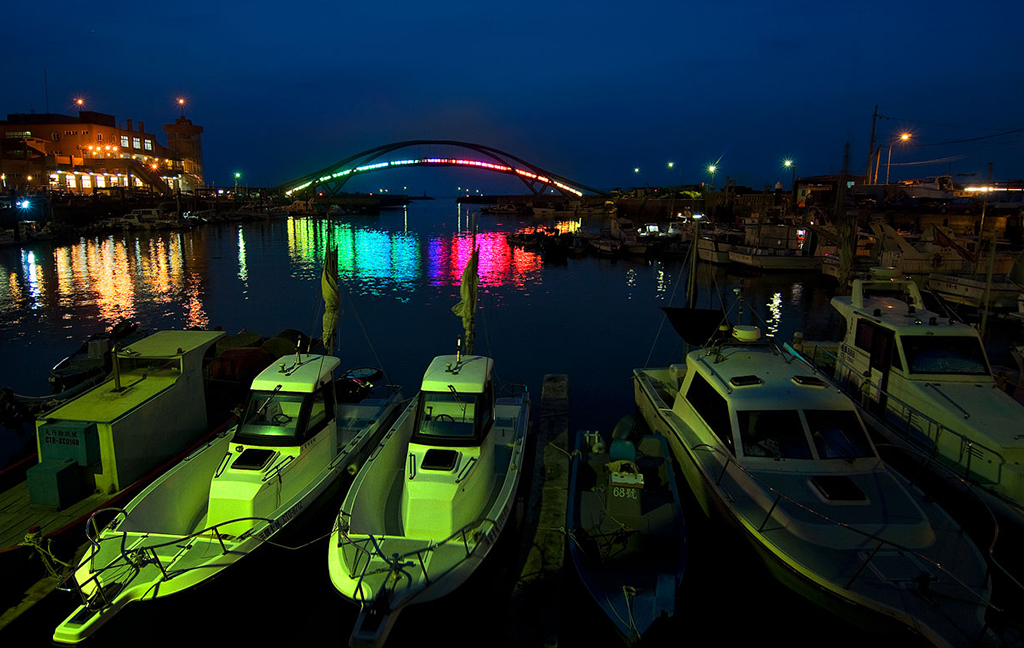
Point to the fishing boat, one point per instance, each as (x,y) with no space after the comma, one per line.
(627,536)
(776,247)
(713,246)
(92,358)
(434,495)
(227,498)
(775,451)
(924,381)
(98,449)
(98,445)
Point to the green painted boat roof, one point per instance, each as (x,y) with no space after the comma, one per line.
(164,344)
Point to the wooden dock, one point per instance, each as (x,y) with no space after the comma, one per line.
(532,619)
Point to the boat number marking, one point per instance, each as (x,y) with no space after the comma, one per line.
(626,493)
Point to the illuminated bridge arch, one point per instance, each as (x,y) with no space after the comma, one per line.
(331,179)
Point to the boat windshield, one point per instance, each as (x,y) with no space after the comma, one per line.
(446,417)
(944,354)
(838,434)
(778,434)
(272,418)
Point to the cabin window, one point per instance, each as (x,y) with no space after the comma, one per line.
(944,355)
(777,434)
(838,434)
(877,341)
(274,418)
(449,418)
(711,407)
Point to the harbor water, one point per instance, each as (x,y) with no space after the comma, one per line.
(591,318)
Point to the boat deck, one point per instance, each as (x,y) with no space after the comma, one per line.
(17,514)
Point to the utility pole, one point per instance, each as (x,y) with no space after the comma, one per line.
(871,144)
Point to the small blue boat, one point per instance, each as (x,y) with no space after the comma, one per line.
(627,536)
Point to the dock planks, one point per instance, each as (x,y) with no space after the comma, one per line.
(538,590)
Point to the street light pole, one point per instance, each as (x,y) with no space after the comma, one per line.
(789,164)
(902,138)
(711,169)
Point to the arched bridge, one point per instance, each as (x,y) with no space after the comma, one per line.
(331,179)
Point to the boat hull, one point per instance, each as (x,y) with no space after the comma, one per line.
(373,563)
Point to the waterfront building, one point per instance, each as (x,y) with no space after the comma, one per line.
(92,153)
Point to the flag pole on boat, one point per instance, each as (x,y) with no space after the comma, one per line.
(332,298)
(466,308)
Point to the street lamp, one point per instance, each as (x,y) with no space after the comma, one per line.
(711,169)
(237,176)
(791,165)
(902,138)
(181,104)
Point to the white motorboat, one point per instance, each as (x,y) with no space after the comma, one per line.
(786,459)
(232,494)
(924,381)
(433,497)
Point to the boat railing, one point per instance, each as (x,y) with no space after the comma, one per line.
(970,488)
(512,390)
(136,558)
(914,426)
(779,496)
(471,537)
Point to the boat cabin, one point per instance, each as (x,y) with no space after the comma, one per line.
(152,407)
(287,435)
(762,406)
(890,338)
(450,470)
(456,402)
(288,406)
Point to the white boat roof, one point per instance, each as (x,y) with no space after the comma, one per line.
(473,374)
(775,387)
(166,344)
(895,313)
(304,376)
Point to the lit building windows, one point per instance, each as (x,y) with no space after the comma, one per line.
(136,142)
(70,180)
(149,145)
(124,141)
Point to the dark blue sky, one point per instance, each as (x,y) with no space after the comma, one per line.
(588,90)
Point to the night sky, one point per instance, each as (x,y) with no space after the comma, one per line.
(587,90)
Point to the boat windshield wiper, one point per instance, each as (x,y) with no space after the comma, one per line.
(455,394)
(267,402)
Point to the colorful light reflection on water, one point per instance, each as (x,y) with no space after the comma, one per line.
(106,279)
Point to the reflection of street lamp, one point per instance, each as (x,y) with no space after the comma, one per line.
(903,138)
(711,169)
(791,165)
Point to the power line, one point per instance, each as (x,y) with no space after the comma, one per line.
(971,139)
